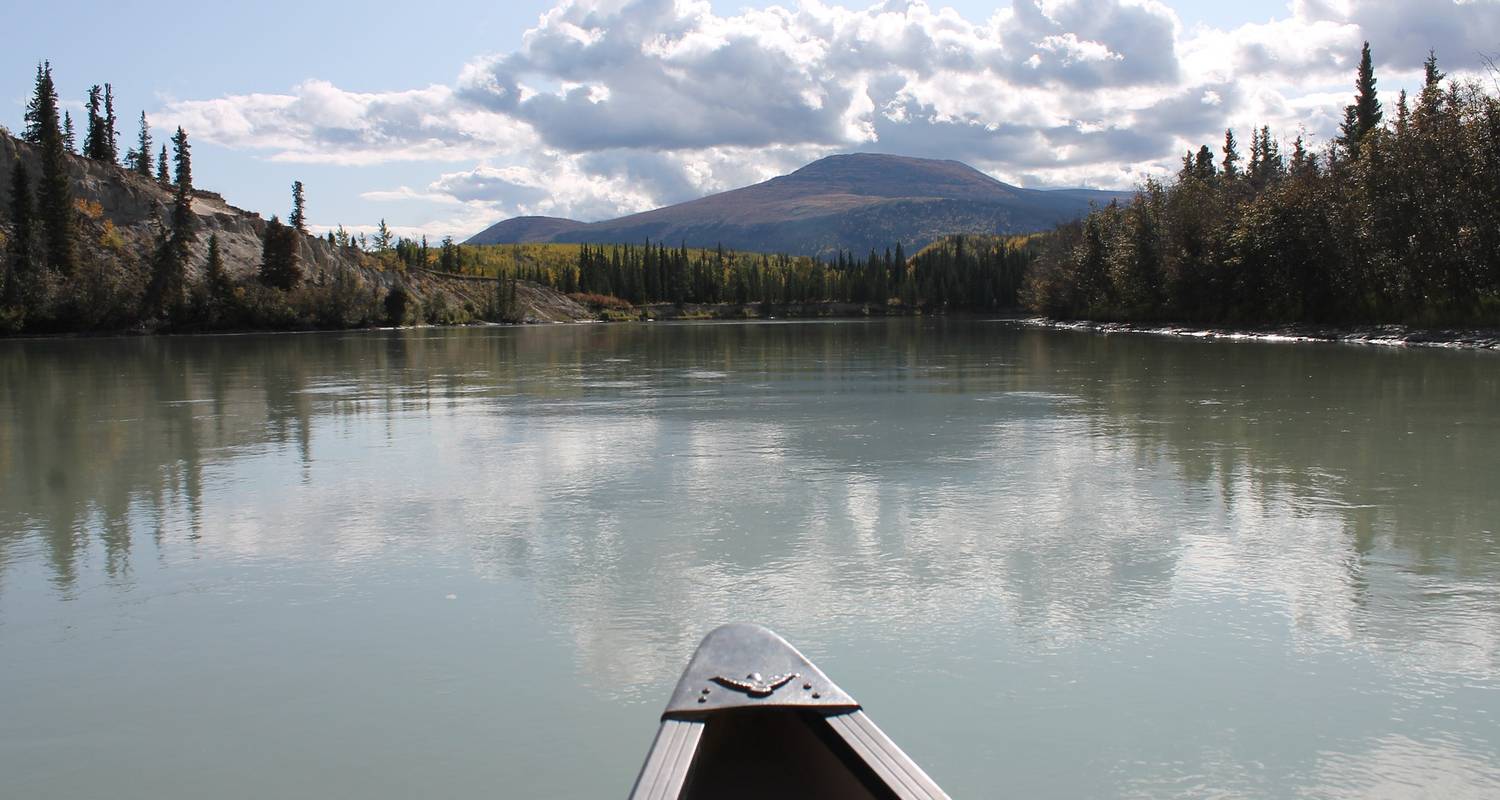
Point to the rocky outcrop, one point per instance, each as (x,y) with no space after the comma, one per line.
(122,216)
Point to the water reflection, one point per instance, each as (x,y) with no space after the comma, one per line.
(908,482)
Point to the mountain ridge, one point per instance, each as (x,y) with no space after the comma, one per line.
(854,202)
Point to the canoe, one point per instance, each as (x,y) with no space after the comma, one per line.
(752,717)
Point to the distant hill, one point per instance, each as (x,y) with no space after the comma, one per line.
(853,202)
(527,229)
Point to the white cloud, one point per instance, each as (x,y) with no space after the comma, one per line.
(613,106)
(319,122)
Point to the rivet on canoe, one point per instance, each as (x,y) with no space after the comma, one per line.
(807,686)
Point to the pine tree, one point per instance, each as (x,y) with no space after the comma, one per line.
(1367,113)
(382,237)
(55,193)
(298,219)
(70,138)
(1231,155)
(141,155)
(163,177)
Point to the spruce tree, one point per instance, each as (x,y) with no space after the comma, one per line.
(1348,137)
(165,294)
(219,286)
(278,257)
(183,163)
(141,155)
(70,138)
(298,219)
(111,139)
(1231,155)
(55,193)
(1204,167)
(1432,75)
(45,98)
(382,237)
(93,134)
(1367,111)
(163,176)
(20,261)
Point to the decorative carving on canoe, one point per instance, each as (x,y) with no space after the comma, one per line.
(753,685)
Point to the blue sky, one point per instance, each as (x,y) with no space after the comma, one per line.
(444,117)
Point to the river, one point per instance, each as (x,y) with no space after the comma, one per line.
(471,562)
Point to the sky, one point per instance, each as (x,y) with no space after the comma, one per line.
(443,118)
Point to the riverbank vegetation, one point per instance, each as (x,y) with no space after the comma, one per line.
(1397,221)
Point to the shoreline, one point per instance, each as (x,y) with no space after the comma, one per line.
(1481,339)
(1402,336)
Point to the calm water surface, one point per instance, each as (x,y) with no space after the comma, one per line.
(470,563)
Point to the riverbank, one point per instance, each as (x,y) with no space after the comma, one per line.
(1377,335)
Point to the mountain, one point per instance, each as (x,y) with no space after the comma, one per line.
(852,202)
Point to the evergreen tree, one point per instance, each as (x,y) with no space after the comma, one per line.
(183,163)
(93,134)
(55,193)
(1367,113)
(298,219)
(165,293)
(20,261)
(1203,167)
(219,287)
(140,157)
(1231,155)
(163,176)
(42,105)
(1348,137)
(1431,74)
(382,237)
(111,139)
(279,268)
(70,138)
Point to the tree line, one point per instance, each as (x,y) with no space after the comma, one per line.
(979,273)
(1397,220)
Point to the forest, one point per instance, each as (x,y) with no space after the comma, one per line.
(975,273)
(1396,220)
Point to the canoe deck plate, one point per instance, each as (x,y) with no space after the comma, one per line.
(712,680)
(753,685)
